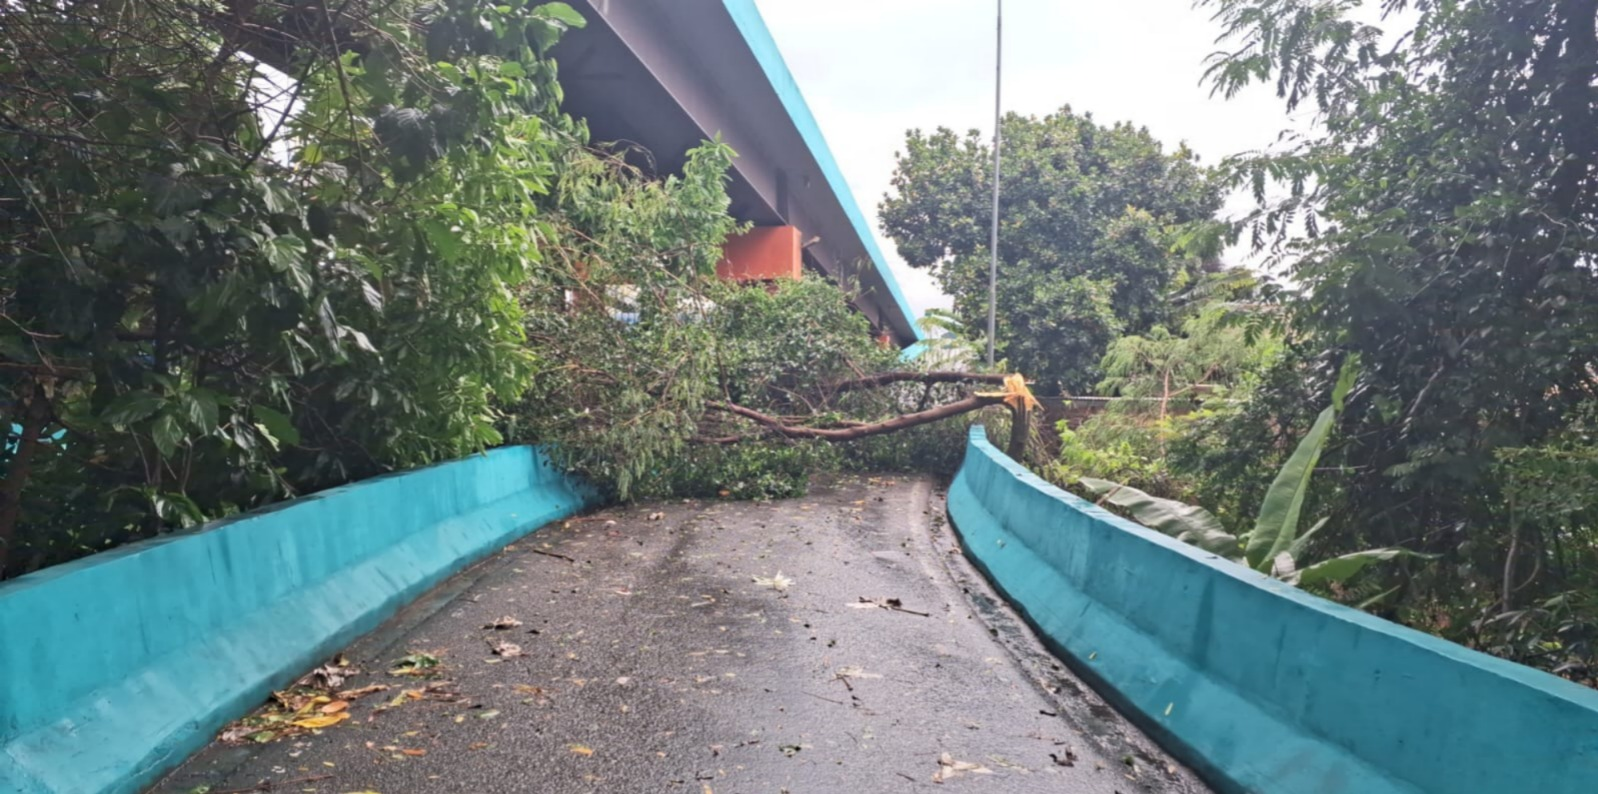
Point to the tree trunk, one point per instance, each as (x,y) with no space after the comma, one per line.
(1509,559)
(1020,429)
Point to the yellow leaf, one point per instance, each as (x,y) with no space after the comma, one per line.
(324,721)
(582,750)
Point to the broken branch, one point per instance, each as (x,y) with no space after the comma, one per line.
(776,426)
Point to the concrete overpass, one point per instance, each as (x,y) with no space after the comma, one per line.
(669,74)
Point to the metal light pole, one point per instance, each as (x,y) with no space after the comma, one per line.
(998,140)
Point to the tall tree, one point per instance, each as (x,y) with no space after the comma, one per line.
(253,249)
(1085,241)
(1443,225)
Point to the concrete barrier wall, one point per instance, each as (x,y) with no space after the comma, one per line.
(116,667)
(1258,685)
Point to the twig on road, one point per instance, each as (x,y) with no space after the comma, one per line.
(271,785)
(829,700)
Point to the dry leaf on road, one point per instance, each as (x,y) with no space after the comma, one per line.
(779,582)
(325,721)
(948,769)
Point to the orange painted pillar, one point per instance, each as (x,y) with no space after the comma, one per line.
(764,253)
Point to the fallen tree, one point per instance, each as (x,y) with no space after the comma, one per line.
(759,373)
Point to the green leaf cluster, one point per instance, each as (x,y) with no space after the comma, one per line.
(1096,229)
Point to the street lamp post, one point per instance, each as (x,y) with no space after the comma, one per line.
(998,140)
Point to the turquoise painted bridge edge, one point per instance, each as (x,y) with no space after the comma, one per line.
(116,667)
(1259,686)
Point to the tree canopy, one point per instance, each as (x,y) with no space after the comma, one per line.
(254,250)
(1440,225)
(1086,237)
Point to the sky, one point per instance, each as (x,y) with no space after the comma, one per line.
(873,69)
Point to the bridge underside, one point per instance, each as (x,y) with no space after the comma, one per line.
(666,76)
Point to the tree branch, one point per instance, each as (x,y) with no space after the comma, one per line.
(775,426)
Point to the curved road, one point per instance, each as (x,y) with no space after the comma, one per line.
(834,643)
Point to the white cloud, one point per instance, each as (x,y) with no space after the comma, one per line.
(872,69)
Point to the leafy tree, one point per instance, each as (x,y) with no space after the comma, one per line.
(712,386)
(1441,224)
(1162,383)
(1086,233)
(253,250)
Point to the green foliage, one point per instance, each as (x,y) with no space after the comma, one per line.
(220,303)
(1090,217)
(1274,545)
(1543,608)
(773,470)
(1116,447)
(1450,219)
(1166,383)
(1276,527)
(1441,225)
(625,402)
(628,360)
(1185,522)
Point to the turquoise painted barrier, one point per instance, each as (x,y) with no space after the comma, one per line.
(115,668)
(1260,686)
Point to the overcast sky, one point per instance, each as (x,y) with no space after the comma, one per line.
(872,69)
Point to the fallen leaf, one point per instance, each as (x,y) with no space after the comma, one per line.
(334,707)
(328,676)
(488,715)
(852,671)
(415,664)
(503,623)
(505,650)
(324,721)
(656,516)
(351,694)
(581,749)
(414,753)
(779,582)
(948,768)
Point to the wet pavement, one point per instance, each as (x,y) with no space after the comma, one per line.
(833,643)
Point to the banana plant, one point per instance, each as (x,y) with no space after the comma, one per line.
(1274,546)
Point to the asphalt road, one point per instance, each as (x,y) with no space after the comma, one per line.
(834,643)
